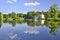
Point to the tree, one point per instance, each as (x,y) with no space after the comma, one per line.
(13,15)
(30,14)
(1,19)
(59,14)
(20,15)
(5,16)
(47,14)
(53,11)
(9,15)
(1,16)
(37,14)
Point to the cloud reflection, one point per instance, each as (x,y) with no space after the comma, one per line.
(31,32)
(13,36)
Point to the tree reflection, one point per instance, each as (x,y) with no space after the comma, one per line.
(13,22)
(34,23)
(31,23)
(1,22)
(53,26)
(1,19)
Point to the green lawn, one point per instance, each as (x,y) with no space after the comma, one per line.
(53,19)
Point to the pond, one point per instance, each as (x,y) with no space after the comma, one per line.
(29,30)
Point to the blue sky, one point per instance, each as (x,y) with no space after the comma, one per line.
(23,6)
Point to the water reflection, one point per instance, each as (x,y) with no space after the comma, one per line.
(35,23)
(42,22)
(52,25)
(31,32)
(13,36)
(1,22)
(25,30)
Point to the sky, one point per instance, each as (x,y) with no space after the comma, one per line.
(24,6)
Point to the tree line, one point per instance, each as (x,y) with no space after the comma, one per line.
(52,13)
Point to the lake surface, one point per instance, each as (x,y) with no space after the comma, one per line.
(30,31)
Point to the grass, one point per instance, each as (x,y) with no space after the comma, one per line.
(53,19)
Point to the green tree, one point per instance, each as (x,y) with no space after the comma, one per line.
(53,11)
(10,15)
(5,16)
(37,14)
(1,16)
(20,15)
(47,14)
(14,15)
(30,14)
(59,14)
(1,19)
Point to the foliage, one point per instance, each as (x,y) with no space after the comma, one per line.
(53,11)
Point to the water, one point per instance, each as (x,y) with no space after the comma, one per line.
(30,30)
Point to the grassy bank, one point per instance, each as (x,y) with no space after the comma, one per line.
(53,19)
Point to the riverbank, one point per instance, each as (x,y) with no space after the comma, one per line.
(53,19)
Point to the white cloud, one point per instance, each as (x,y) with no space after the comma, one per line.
(11,1)
(32,4)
